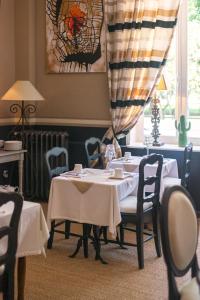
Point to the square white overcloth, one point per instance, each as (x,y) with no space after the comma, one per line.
(98,205)
(33,231)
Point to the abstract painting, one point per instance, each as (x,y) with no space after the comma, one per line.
(75,35)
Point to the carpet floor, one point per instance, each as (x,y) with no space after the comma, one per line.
(59,277)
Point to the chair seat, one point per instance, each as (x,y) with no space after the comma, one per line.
(171,181)
(129,205)
(190,291)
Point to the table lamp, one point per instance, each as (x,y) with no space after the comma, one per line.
(22,91)
(155,110)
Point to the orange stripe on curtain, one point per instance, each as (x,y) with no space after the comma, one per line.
(139,34)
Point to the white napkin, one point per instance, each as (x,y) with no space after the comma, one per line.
(71,174)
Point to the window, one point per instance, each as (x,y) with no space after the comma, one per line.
(182,74)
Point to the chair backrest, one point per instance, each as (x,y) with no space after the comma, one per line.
(93,152)
(57,161)
(187,165)
(10,231)
(179,233)
(153,181)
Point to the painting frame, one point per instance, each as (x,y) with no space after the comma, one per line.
(75,36)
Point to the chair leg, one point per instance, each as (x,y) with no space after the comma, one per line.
(105,237)
(67,229)
(21,277)
(85,239)
(103,230)
(120,237)
(156,231)
(50,240)
(8,293)
(121,230)
(140,243)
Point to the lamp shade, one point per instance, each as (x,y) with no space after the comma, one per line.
(161,86)
(22,91)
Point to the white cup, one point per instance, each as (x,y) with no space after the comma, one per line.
(127,155)
(78,168)
(119,173)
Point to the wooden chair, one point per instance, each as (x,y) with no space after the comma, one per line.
(93,153)
(179,232)
(185,177)
(7,259)
(57,163)
(143,208)
(95,160)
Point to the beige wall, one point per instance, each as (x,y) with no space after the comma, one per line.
(72,95)
(25,40)
(7,51)
(22,57)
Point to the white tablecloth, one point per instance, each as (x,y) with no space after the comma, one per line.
(132,165)
(33,231)
(98,204)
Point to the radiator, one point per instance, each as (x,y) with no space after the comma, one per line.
(37,143)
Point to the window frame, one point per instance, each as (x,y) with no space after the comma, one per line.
(181,106)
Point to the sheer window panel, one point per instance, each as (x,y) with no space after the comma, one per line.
(182,73)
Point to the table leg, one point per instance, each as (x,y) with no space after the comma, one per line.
(97,244)
(83,241)
(21,275)
(20,167)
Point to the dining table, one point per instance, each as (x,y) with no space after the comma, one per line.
(90,197)
(33,234)
(131,164)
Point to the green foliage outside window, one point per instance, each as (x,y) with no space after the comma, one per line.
(168,97)
(194,10)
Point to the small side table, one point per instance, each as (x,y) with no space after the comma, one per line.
(8,156)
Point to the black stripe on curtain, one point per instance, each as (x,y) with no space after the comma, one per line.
(139,25)
(128,103)
(137,64)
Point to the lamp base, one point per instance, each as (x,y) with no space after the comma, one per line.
(25,111)
(158,144)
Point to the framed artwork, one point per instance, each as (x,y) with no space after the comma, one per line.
(75,35)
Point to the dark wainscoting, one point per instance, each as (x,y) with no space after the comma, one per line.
(77,137)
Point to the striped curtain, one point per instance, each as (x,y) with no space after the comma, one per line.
(138,39)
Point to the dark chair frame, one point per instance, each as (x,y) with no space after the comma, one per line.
(83,239)
(56,152)
(187,166)
(8,259)
(172,270)
(96,156)
(145,216)
(91,158)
